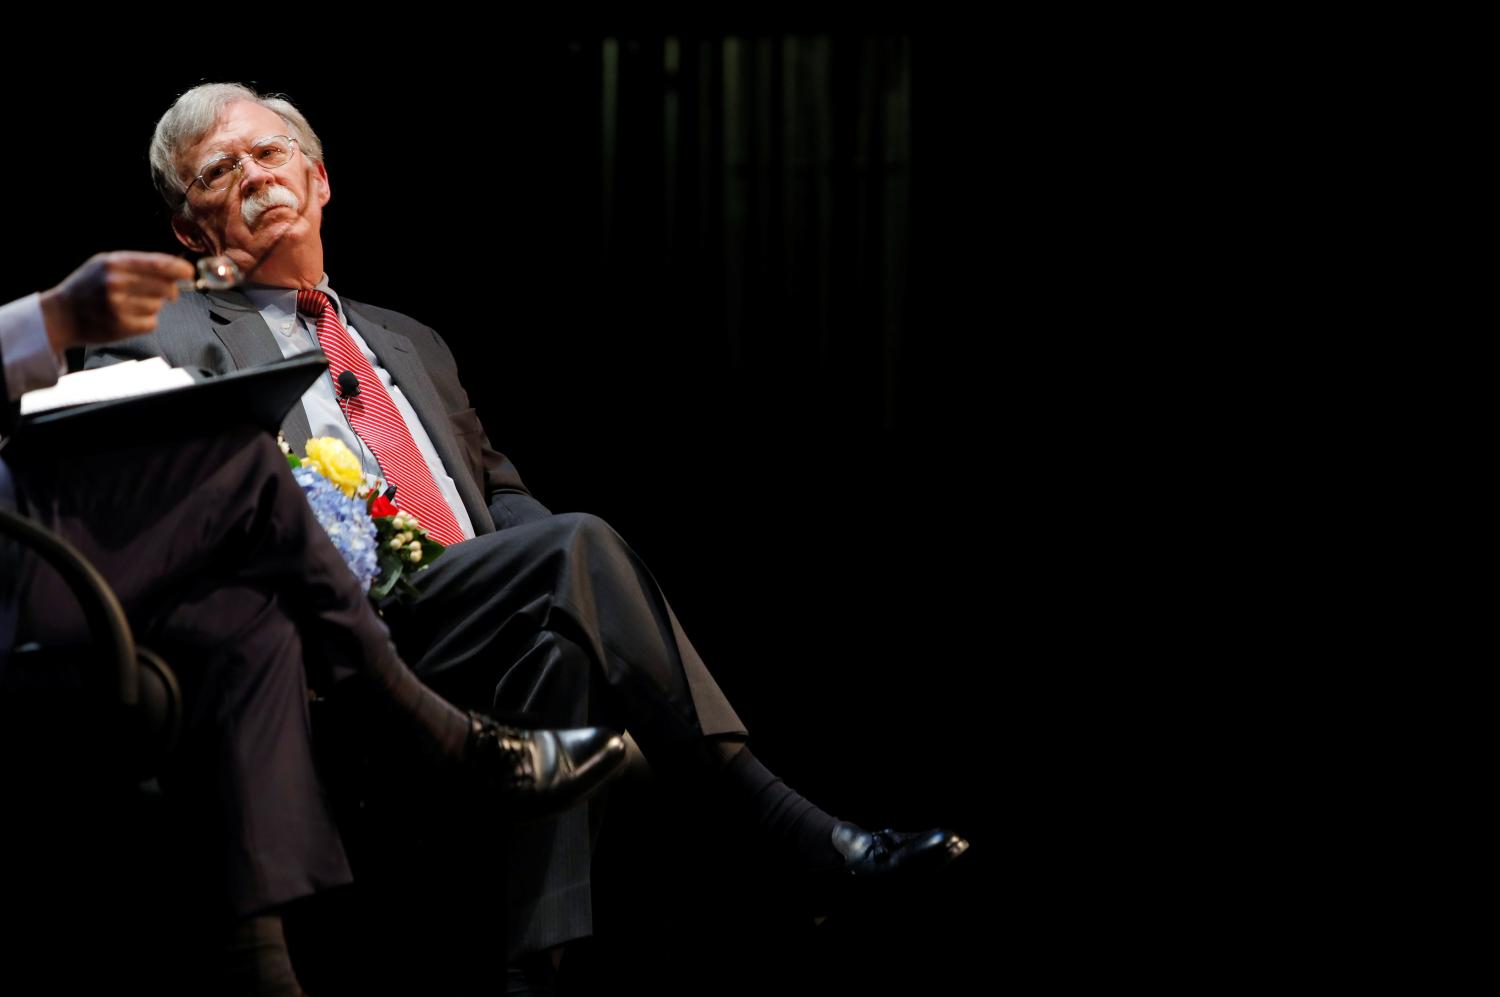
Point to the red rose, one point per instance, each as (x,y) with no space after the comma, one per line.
(382,507)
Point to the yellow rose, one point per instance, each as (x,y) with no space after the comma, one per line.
(334,461)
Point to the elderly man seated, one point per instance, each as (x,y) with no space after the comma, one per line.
(219,563)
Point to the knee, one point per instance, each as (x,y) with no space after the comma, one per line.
(588,530)
(263,452)
(238,440)
(237,459)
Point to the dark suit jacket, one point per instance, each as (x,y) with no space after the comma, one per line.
(223,331)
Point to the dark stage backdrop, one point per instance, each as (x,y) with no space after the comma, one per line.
(701,285)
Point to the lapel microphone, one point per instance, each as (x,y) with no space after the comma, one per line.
(348,385)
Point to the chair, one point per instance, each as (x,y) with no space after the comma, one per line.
(59,703)
(87,862)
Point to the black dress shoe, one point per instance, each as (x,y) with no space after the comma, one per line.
(539,773)
(880,853)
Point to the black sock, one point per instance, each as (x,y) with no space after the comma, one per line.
(789,821)
(439,729)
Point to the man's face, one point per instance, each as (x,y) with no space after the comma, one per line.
(261,209)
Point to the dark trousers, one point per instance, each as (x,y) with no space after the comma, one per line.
(221,567)
(557,620)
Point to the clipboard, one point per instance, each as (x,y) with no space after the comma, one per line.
(260,395)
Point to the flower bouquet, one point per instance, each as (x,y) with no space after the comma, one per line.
(383,545)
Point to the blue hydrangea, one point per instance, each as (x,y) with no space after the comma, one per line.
(346,521)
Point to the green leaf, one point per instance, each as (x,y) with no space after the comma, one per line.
(389,576)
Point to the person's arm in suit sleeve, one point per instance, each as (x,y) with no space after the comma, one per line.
(26,354)
(510,503)
(109,297)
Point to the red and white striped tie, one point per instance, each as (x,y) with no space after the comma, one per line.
(376,419)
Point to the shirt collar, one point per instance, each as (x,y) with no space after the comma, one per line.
(284,299)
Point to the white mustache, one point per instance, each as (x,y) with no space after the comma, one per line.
(263,200)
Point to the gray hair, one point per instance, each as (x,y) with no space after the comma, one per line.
(194,115)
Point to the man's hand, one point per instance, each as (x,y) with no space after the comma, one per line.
(112,296)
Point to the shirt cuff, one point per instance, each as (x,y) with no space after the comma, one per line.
(29,363)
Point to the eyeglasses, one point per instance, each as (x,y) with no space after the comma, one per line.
(268,153)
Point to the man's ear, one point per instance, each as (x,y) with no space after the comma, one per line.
(321,179)
(188,233)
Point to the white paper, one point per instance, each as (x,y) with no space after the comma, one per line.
(102,384)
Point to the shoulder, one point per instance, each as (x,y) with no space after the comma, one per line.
(184,325)
(192,316)
(424,338)
(391,319)
(190,308)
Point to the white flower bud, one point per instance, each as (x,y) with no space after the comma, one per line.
(416,553)
(397,543)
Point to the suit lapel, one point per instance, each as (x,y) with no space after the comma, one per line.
(239,326)
(251,343)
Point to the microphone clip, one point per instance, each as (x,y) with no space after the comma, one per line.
(348,384)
